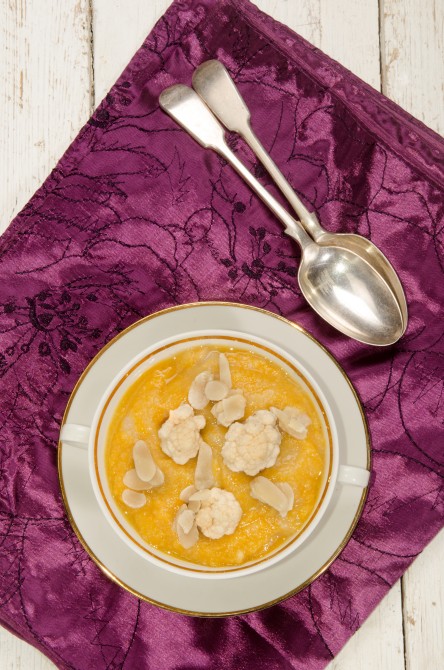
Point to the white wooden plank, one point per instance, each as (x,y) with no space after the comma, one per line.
(118,32)
(381,630)
(18,655)
(423,589)
(336,28)
(303,16)
(44,91)
(350,34)
(413,57)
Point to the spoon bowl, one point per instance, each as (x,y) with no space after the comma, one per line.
(349,294)
(370,253)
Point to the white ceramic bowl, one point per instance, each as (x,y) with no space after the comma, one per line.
(94,439)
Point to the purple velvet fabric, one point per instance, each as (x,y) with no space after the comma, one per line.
(137,217)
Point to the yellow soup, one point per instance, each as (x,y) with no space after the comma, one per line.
(145,406)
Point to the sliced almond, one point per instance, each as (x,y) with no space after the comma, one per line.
(203,476)
(230,409)
(199,495)
(240,556)
(181,509)
(188,540)
(187,492)
(234,407)
(194,505)
(186,520)
(216,390)
(158,478)
(196,394)
(133,499)
(224,371)
(289,493)
(143,461)
(292,421)
(264,490)
(132,481)
(213,352)
(279,414)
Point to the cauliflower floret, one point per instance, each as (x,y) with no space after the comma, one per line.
(253,445)
(219,513)
(180,434)
(196,394)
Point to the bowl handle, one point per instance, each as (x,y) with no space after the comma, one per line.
(349,474)
(75,434)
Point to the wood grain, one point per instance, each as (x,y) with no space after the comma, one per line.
(423,608)
(412,57)
(343,36)
(53,72)
(118,34)
(18,655)
(45,91)
(378,644)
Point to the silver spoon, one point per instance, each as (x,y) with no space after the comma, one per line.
(213,83)
(340,286)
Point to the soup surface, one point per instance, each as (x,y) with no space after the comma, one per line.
(301,463)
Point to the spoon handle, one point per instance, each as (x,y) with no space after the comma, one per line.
(215,86)
(184,105)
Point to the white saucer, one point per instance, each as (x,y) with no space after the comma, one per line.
(191,595)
